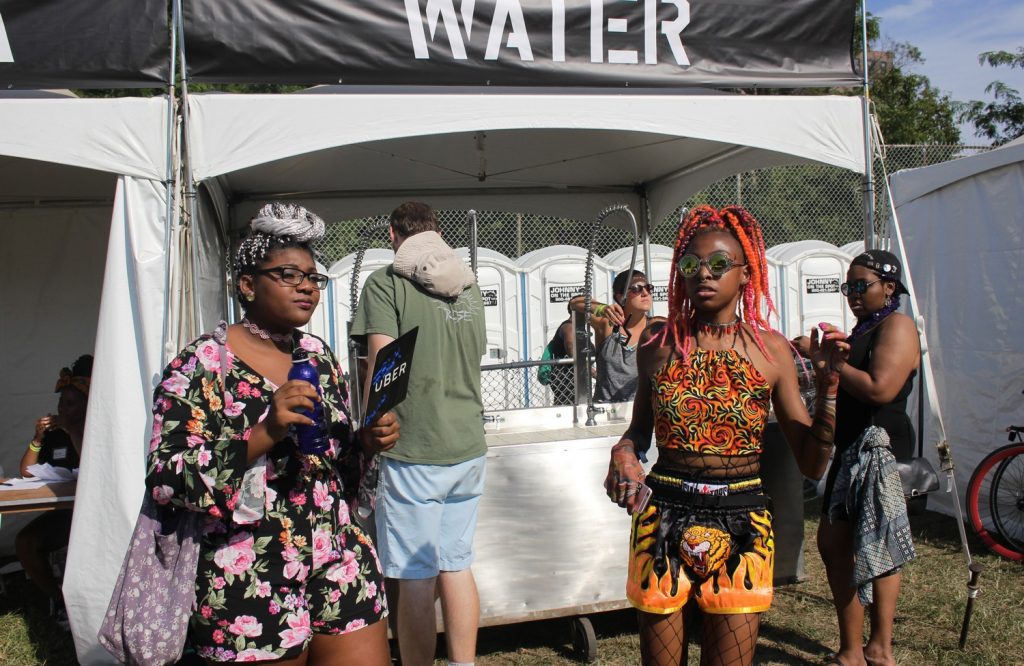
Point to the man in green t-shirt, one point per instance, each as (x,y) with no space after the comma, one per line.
(431,481)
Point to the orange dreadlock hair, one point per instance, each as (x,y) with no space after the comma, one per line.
(738,222)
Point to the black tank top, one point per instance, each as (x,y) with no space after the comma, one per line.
(854,415)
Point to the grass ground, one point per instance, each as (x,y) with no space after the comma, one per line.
(800,628)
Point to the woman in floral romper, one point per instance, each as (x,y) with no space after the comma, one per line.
(284,573)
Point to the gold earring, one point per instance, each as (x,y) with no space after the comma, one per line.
(250,297)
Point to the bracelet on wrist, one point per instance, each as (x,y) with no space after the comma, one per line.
(599,310)
(34,446)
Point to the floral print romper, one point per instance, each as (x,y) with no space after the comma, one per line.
(280,558)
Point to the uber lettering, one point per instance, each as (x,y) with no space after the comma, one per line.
(390,377)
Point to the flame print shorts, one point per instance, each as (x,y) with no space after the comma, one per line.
(711,542)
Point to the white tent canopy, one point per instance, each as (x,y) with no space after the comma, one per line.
(83,206)
(962,227)
(556,154)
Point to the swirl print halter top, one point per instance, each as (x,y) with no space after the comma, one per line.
(717,404)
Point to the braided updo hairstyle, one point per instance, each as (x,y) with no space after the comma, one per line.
(741,225)
(277,226)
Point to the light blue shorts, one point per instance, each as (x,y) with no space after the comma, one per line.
(426,516)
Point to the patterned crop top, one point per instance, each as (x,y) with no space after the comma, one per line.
(717,404)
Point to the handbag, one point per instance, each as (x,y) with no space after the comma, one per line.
(147,619)
(146,622)
(917,474)
(544,371)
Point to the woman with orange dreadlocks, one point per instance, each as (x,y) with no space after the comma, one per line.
(708,378)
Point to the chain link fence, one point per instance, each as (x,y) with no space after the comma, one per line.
(791,202)
(800,202)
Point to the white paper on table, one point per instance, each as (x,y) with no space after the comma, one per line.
(48,473)
(22,482)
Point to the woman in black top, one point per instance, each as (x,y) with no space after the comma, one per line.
(57,441)
(873,387)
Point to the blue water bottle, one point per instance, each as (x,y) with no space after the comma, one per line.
(311,439)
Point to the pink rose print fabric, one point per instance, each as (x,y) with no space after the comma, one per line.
(263,588)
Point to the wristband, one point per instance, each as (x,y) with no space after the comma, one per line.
(599,310)
(34,446)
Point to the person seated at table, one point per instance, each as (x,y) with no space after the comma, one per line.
(617,328)
(57,441)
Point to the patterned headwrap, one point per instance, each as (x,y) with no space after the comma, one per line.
(79,376)
(276,224)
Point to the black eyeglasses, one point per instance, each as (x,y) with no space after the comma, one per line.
(857,286)
(294,277)
(718,263)
(641,287)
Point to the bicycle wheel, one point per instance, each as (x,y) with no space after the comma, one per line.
(1007,501)
(980,505)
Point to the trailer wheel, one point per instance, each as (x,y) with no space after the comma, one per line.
(584,640)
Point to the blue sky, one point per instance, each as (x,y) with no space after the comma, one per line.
(950,35)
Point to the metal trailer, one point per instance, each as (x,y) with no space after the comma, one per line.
(549,542)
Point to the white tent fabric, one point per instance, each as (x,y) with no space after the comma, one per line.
(450,144)
(112,135)
(128,365)
(67,166)
(962,227)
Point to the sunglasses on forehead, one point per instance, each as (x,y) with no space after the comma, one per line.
(718,264)
(641,287)
(857,286)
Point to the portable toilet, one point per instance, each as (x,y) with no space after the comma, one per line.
(550,277)
(853,249)
(498,278)
(657,274)
(774,279)
(320,323)
(340,291)
(810,273)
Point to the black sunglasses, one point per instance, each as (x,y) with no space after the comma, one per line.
(718,263)
(622,332)
(294,277)
(859,286)
(641,287)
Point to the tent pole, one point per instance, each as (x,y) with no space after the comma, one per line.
(189,186)
(170,181)
(869,178)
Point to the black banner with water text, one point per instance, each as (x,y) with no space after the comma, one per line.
(542,43)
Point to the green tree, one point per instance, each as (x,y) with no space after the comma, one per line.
(1001,119)
(910,110)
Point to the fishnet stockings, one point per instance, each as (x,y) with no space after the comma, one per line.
(726,640)
(729,640)
(662,639)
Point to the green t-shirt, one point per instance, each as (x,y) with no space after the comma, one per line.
(442,415)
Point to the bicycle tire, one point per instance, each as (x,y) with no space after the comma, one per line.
(980,506)
(1007,501)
